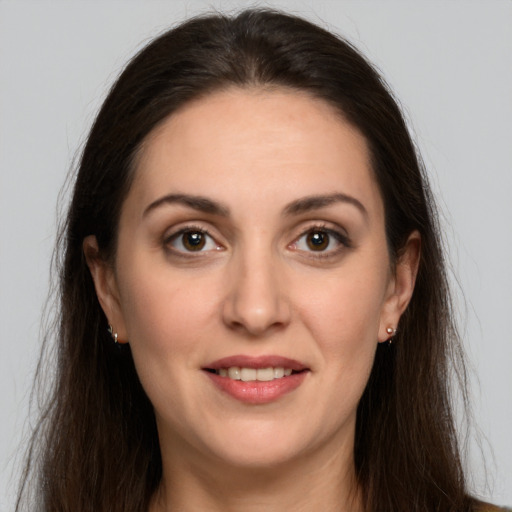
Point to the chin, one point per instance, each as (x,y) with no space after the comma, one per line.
(258,457)
(259,447)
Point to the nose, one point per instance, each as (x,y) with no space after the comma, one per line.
(256,303)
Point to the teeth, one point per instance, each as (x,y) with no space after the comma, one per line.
(278,373)
(247,374)
(265,374)
(252,374)
(234,373)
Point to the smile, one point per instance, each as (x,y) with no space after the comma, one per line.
(256,380)
(254,374)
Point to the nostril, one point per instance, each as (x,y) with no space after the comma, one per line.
(255,306)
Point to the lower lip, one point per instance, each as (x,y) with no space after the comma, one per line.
(258,392)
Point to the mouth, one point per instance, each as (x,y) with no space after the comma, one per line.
(256,380)
(254,374)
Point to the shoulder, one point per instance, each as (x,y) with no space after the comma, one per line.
(487,507)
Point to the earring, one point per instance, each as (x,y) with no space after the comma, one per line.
(392,332)
(113,334)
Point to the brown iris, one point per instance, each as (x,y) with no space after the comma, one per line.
(193,240)
(317,240)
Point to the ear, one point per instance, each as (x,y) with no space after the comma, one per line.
(401,285)
(105,284)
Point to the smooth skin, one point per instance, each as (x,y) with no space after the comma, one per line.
(254,226)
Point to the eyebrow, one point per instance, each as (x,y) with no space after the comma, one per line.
(202,204)
(310,203)
(302,205)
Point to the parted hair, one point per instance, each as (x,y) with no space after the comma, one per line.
(96,445)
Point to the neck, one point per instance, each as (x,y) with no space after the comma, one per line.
(311,482)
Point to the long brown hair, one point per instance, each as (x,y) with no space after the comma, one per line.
(96,446)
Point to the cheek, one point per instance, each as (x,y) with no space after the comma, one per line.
(164,312)
(348,304)
(343,313)
(166,319)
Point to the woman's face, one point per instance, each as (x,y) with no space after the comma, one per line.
(252,245)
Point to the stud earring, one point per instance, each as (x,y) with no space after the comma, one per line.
(112,333)
(392,332)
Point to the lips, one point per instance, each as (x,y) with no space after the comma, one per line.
(251,374)
(256,380)
(257,362)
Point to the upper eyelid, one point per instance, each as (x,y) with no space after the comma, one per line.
(219,229)
(320,225)
(184,227)
(328,227)
(339,234)
(175,235)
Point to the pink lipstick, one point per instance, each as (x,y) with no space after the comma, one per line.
(256,380)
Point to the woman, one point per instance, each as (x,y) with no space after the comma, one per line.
(253,294)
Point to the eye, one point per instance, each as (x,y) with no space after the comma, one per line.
(320,240)
(192,240)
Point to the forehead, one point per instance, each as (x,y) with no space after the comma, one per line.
(253,144)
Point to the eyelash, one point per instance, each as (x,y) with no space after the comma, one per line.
(340,238)
(187,229)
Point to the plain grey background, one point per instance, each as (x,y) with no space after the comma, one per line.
(450,64)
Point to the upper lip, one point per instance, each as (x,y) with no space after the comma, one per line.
(266,361)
